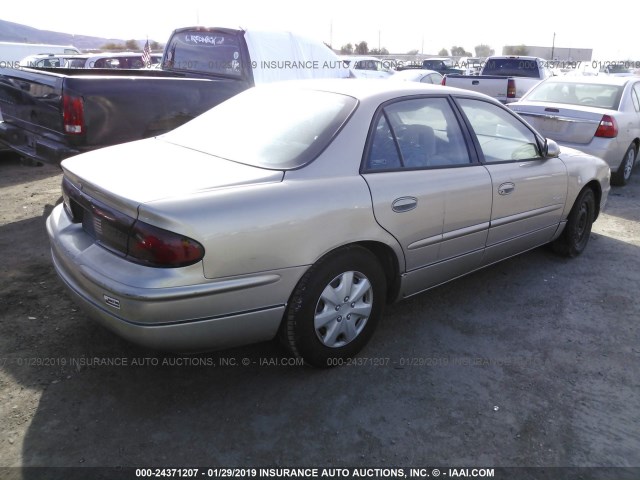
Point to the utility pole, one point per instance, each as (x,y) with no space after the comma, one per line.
(553,45)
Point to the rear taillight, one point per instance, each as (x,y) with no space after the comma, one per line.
(608,128)
(161,248)
(127,237)
(73,114)
(511,88)
(444,80)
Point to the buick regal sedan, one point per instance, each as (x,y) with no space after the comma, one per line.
(299,210)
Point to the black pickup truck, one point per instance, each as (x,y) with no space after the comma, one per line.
(47,115)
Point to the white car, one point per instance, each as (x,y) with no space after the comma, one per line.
(418,75)
(367,67)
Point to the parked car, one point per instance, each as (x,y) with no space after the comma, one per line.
(599,115)
(471,65)
(443,66)
(616,69)
(47,61)
(506,78)
(299,209)
(366,67)
(122,60)
(418,75)
(12,52)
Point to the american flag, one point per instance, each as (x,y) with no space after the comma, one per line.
(146,54)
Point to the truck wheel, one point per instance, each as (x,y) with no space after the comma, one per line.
(335,307)
(622,175)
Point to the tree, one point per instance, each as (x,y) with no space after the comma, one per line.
(444,52)
(155,46)
(413,52)
(484,50)
(382,51)
(515,50)
(459,52)
(112,46)
(132,45)
(362,48)
(346,49)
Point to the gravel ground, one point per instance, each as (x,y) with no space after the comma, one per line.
(532,362)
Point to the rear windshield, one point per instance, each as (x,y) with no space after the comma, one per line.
(511,67)
(273,128)
(206,52)
(588,94)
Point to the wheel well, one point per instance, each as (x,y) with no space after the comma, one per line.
(389,263)
(597,191)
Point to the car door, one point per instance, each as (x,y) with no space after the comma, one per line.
(427,190)
(529,191)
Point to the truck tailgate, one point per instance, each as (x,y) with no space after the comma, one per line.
(494,86)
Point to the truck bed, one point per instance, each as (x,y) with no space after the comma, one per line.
(117,106)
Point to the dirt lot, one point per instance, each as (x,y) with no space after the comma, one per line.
(532,362)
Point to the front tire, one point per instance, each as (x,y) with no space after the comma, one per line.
(622,175)
(335,307)
(575,235)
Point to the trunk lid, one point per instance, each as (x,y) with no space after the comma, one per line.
(562,123)
(125,176)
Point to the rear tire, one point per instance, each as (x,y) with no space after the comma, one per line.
(622,175)
(575,235)
(335,307)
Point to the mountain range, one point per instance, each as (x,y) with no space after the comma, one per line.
(15,32)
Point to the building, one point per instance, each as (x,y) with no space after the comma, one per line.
(555,53)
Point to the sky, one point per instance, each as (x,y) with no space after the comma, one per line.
(399,26)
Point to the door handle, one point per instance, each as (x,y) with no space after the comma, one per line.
(404,204)
(506,188)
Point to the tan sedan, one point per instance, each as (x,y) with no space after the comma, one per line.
(299,210)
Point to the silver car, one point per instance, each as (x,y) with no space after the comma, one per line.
(599,115)
(298,210)
(418,75)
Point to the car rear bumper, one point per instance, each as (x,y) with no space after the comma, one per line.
(172,313)
(609,150)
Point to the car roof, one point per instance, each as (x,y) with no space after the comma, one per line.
(364,88)
(358,57)
(414,72)
(594,79)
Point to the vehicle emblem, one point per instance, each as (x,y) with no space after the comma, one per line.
(112,302)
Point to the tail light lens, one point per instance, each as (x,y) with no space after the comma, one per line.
(444,80)
(511,88)
(73,114)
(608,127)
(127,237)
(161,248)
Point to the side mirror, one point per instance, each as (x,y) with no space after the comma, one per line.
(550,149)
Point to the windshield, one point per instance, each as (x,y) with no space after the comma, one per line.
(512,67)
(588,94)
(274,128)
(206,52)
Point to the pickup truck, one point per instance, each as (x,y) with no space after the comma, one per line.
(47,115)
(505,78)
